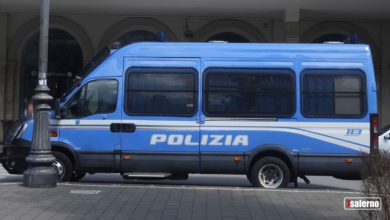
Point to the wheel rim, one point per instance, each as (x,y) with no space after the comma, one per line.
(270,176)
(60,168)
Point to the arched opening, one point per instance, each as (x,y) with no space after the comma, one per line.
(135,30)
(65,60)
(332,37)
(339,31)
(229,37)
(234,31)
(136,36)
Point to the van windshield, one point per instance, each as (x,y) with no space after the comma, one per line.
(88,68)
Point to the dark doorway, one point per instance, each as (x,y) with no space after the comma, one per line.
(65,61)
(228,37)
(136,36)
(330,38)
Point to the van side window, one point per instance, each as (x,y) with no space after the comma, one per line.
(249,93)
(161,91)
(340,94)
(96,97)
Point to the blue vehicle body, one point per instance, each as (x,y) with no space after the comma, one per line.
(200,143)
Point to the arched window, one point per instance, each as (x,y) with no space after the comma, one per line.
(65,60)
(229,37)
(137,36)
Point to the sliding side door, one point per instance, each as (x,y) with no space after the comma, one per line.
(160,130)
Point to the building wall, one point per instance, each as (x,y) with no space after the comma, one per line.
(95,31)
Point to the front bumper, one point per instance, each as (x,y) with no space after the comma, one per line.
(13,158)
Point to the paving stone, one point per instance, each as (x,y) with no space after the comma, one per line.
(174,202)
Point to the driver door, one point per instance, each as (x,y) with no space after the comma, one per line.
(85,123)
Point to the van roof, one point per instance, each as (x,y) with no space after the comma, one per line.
(325,55)
(177,49)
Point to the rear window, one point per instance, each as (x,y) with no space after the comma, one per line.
(333,93)
(161,91)
(249,93)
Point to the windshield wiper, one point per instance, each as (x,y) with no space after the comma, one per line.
(95,61)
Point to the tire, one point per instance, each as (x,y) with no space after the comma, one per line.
(63,166)
(278,171)
(76,176)
(248,176)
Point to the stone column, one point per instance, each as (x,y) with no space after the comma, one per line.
(384,92)
(9,96)
(3,53)
(278,31)
(291,19)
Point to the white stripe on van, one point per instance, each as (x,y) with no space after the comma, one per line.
(310,129)
(227,123)
(233,123)
(300,132)
(108,122)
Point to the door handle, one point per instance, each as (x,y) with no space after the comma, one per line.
(128,127)
(116,127)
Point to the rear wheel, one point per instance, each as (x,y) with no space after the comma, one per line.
(270,172)
(64,167)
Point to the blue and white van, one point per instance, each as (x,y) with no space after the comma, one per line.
(273,112)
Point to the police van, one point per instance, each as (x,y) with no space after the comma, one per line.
(273,112)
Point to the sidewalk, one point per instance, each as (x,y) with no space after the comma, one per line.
(131,201)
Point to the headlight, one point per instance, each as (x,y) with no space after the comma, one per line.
(13,131)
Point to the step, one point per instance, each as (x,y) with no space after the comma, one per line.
(136,175)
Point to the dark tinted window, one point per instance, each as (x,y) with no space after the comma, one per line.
(249,92)
(96,97)
(152,91)
(333,95)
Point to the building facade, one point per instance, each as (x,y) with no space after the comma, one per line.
(79,31)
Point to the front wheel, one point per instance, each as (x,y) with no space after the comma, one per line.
(270,172)
(63,165)
(76,176)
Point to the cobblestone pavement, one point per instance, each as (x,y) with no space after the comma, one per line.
(113,199)
(132,201)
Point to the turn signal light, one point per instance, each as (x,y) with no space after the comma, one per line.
(237,159)
(126,157)
(53,134)
(348,161)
